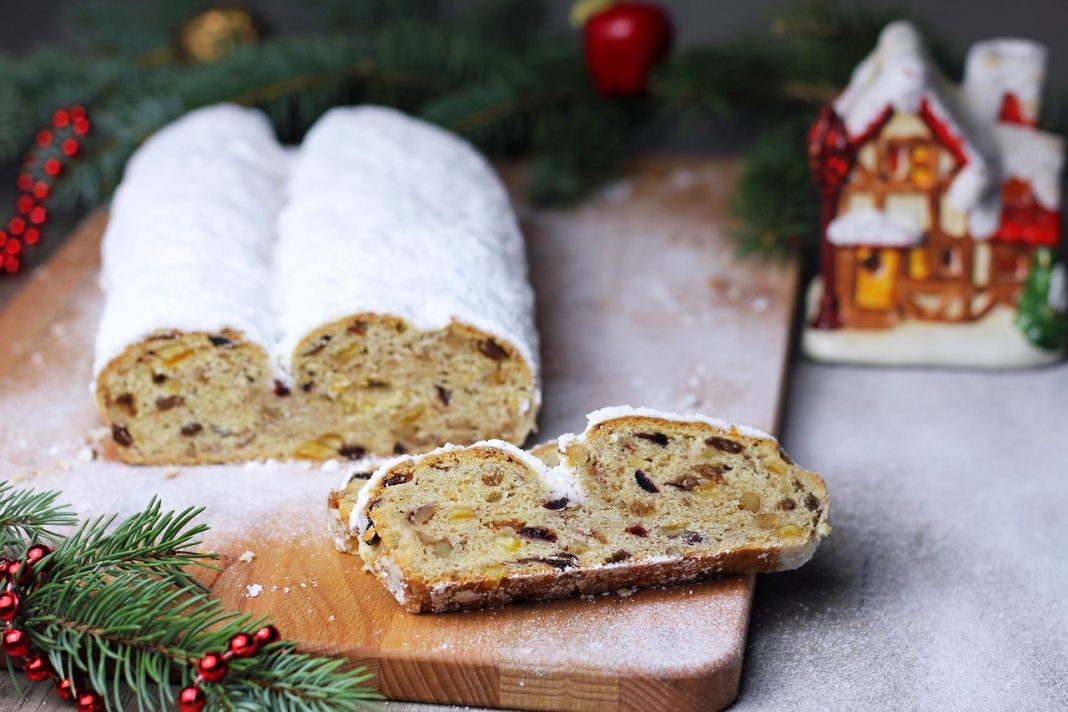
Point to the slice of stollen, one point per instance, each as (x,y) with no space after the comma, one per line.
(641,498)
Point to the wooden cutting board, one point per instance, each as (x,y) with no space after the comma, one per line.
(639,301)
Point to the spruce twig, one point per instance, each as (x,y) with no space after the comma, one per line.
(27,516)
(114,604)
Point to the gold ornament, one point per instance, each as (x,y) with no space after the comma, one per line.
(214,32)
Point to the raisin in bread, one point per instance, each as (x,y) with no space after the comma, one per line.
(385,309)
(641,498)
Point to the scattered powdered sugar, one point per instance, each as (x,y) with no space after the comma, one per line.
(253,590)
(247,556)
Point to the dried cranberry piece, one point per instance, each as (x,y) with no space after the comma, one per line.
(621,555)
(637,530)
(221,341)
(658,438)
(644,482)
(443,394)
(280,389)
(399,449)
(811,502)
(191,429)
(555,504)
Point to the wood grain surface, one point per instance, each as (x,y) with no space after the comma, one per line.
(639,301)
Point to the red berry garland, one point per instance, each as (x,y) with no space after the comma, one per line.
(16,643)
(214,666)
(211,668)
(192,699)
(54,147)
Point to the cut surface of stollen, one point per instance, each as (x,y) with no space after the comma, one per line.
(640,498)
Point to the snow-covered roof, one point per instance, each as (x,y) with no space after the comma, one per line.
(874,228)
(1033,156)
(899,75)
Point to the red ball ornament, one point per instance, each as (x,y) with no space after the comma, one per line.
(243,645)
(16,226)
(81,126)
(77,112)
(90,702)
(37,552)
(191,699)
(212,667)
(44,138)
(13,248)
(37,668)
(60,119)
(38,215)
(69,147)
(266,635)
(24,204)
(32,236)
(20,572)
(16,643)
(24,181)
(9,606)
(65,689)
(11,264)
(622,43)
(52,167)
(40,190)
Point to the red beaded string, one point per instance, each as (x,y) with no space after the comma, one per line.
(213,666)
(15,642)
(54,147)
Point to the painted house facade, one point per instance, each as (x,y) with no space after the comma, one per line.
(934,196)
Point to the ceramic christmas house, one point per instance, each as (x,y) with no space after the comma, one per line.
(941,212)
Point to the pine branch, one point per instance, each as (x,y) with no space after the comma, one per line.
(121,633)
(114,605)
(27,516)
(775,198)
(149,543)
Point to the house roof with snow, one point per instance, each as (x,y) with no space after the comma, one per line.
(899,76)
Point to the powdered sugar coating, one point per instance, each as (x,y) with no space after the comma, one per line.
(188,241)
(391,215)
(622,411)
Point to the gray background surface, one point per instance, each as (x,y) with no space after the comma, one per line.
(944,583)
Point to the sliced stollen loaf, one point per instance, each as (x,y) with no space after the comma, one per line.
(641,498)
(403,298)
(384,309)
(182,352)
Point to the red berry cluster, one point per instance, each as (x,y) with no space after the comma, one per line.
(55,146)
(213,666)
(21,575)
